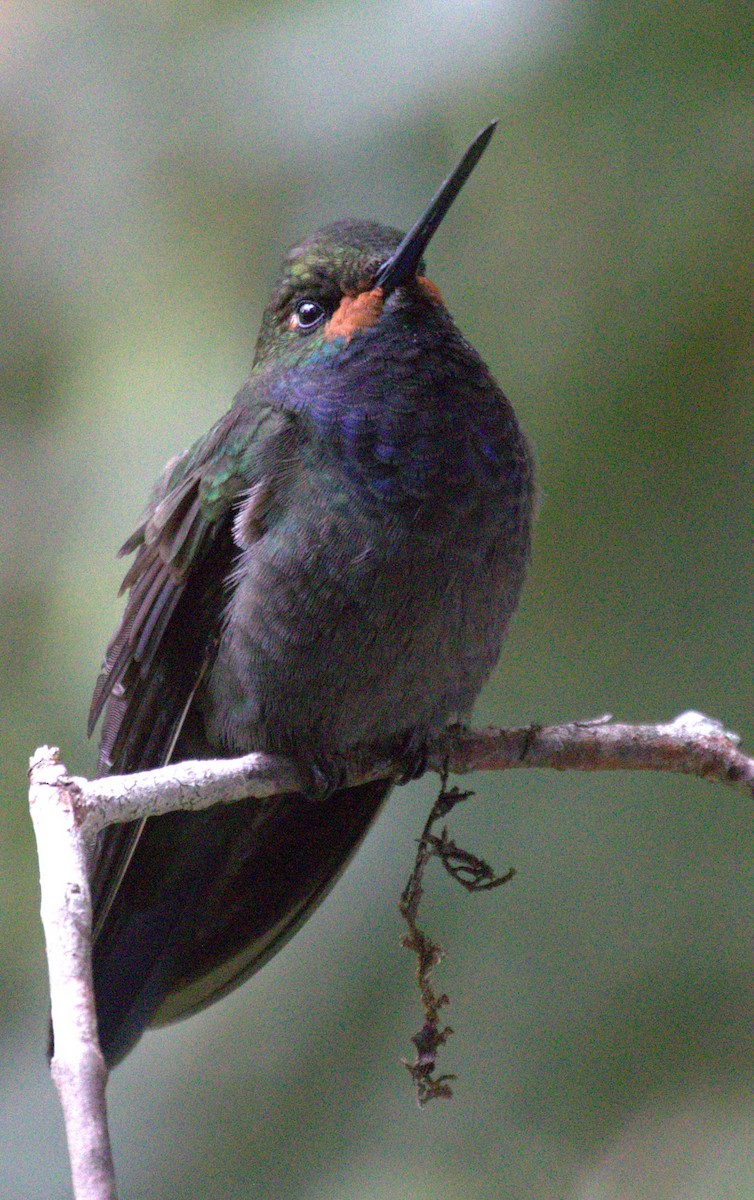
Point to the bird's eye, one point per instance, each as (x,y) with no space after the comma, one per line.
(308,314)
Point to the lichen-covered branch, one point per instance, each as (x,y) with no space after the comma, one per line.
(77,1066)
(692,744)
(474,874)
(67,814)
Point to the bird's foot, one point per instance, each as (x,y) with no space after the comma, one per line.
(412,756)
(324,779)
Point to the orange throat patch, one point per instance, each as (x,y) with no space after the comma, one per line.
(430,289)
(354,313)
(363,310)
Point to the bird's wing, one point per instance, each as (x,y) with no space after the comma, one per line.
(257,871)
(188,904)
(172,618)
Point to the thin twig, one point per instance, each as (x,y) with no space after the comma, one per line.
(475,875)
(692,744)
(430,1037)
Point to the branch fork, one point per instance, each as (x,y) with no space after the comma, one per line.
(68,812)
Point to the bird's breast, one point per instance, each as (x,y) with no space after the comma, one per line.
(410,416)
(350,622)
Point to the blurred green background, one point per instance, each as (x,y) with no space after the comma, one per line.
(156,159)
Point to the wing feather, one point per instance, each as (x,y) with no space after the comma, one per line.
(189,904)
(170,626)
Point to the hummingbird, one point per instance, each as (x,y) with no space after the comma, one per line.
(334,564)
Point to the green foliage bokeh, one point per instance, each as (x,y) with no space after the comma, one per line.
(156,160)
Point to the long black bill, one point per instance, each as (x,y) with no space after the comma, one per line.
(404,262)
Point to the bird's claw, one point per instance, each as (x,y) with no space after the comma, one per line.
(413,758)
(324,779)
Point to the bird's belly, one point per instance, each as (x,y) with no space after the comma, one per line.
(333,643)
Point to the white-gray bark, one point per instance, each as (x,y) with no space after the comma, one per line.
(68,812)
